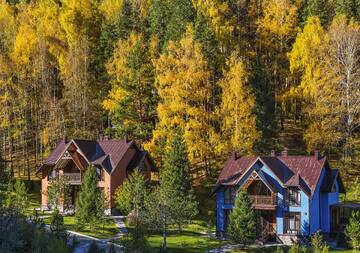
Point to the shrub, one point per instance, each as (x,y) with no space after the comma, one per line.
(353,231)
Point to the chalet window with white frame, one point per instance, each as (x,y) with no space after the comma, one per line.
(293,196)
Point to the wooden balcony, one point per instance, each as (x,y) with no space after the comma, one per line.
(73,178)
(263,201)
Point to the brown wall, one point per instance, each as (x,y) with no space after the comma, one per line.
(110,182)
(119,174)
(44,185)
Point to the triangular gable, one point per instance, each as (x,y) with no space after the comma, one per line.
(256,174)
(77,156)
(256,163)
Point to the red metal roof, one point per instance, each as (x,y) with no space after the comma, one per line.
(107,153)
(306,168)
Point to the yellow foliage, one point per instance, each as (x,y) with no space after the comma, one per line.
(306,55)
(182,80)
(111,9)
(279,21)
(236,111)
(219,15)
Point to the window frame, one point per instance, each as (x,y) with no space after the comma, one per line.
(230,195)
(296,217)
(293,196)
(99,173)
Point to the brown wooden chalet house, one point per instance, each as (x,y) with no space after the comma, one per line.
(114,160)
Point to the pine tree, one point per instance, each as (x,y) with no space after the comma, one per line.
(17,196)
(242,221)
(131,194)
(90,202)
(131,101)
(316,8)
(169,20)
(175,181)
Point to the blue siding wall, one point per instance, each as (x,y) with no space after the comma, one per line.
(220,218)
(315,207)
(315,211)
(328,199)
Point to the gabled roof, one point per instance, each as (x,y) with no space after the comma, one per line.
(106,153)
(330,178)
(302,171)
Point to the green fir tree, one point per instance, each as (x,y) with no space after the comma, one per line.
(90,203)
(175,181)
(242,225)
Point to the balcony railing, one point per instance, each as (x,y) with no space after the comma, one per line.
(259,200)
(73,178)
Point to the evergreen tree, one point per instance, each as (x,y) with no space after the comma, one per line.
(175,181)
(182,13)
(131,101)
(242,220)
(17,196)
(90,202)
(349,8)
(316,8)
(57,224)
(132,192)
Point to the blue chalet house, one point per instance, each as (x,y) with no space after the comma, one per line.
(292,195)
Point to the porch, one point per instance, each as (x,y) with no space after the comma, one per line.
(340,214)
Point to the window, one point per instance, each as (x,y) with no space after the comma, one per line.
(230,194)
(99,174)
(52,174)
(292,222)
(293,197)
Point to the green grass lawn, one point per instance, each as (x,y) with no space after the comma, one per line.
(34,202)
(105,231)
(191,240)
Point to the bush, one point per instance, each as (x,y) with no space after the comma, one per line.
(279,250)
(353,231)
(57,223)
(317,243)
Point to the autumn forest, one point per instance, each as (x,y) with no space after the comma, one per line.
(249,76)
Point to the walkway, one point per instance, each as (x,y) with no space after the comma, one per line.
(85,241)
(119,222)
(230,247)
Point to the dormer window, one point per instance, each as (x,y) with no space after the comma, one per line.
(293,196)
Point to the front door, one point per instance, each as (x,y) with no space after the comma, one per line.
(266,223)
